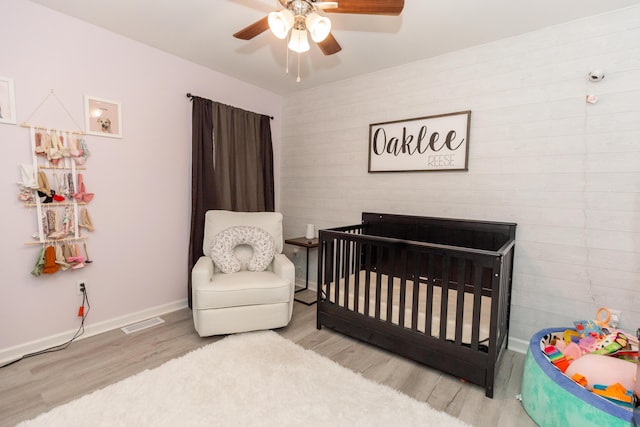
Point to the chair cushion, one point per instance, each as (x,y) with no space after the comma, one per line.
(225,242)
(241,289)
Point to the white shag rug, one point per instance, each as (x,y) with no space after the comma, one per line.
(250,379)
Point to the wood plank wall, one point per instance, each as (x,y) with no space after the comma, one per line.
(566,171)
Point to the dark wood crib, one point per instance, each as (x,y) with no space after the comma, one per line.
(434,290)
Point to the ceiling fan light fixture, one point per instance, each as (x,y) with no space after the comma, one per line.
(319,26)
(299,42)
(280,23)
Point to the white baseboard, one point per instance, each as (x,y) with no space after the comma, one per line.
(518,345)
(13,353)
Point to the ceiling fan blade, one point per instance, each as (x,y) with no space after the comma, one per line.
(325,4)
(329,45)
(253,30)
(369,7)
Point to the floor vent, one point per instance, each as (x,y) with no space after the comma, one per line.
(130,329)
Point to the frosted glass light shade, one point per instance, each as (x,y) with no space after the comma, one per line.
(280,23)
(299,42)
(318,26)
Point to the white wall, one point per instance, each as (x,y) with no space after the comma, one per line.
(142,182)
(568,173)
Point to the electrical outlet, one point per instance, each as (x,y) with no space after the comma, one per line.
(81,286)
(615,317)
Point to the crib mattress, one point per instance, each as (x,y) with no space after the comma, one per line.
(421,307)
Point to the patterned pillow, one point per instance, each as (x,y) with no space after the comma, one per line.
(225,242)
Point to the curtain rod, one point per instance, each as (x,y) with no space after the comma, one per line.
(191,96)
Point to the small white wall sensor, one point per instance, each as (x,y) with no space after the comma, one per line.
(596,75)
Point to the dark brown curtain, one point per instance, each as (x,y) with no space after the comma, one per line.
(243,170)
(232,166)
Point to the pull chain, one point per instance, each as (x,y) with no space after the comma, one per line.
(287,49)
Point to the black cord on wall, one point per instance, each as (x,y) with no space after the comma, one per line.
(84,313)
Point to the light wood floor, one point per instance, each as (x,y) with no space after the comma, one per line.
(37,384)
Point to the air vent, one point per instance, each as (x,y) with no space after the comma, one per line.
(145,324)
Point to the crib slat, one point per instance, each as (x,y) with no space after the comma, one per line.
(416,291)
(335,277)
(340,272)
(357,255)
(337,270)
(444,296)
(379,250)
(403,287)
(367,279)
(322,250)
(477,302)
(392,261)
(430,282)
(346,263)
(460,299)
(329,276)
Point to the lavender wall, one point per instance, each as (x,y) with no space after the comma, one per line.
(142,182)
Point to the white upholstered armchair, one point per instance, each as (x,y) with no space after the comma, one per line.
(225,303)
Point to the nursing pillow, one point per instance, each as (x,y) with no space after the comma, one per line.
(224,244)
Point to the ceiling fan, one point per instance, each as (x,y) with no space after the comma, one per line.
(301,16)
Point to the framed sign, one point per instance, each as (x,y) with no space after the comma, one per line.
(434,143)
(7,101)
(102,117)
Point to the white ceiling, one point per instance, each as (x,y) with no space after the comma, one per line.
(201,31)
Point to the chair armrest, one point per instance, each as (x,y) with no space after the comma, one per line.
(283,267)
(203,271)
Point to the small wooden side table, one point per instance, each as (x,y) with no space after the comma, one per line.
(308,244)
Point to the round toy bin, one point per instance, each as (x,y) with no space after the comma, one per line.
(552,399)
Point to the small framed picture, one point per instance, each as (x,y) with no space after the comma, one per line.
(7,101)
(102,117)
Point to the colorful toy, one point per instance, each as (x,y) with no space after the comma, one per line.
(603,323)
(580,379)
(616,393)
(571,350)
(588,328)
(570,336)
(557,358)
(588,344)
(612,343)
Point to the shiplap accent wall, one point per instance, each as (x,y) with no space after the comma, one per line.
(567,172)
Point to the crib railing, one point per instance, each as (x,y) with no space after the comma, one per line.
(352,265)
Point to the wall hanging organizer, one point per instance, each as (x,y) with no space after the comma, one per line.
(54,185)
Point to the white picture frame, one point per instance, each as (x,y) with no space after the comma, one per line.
(7,101)
(103,117)
(424,144)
